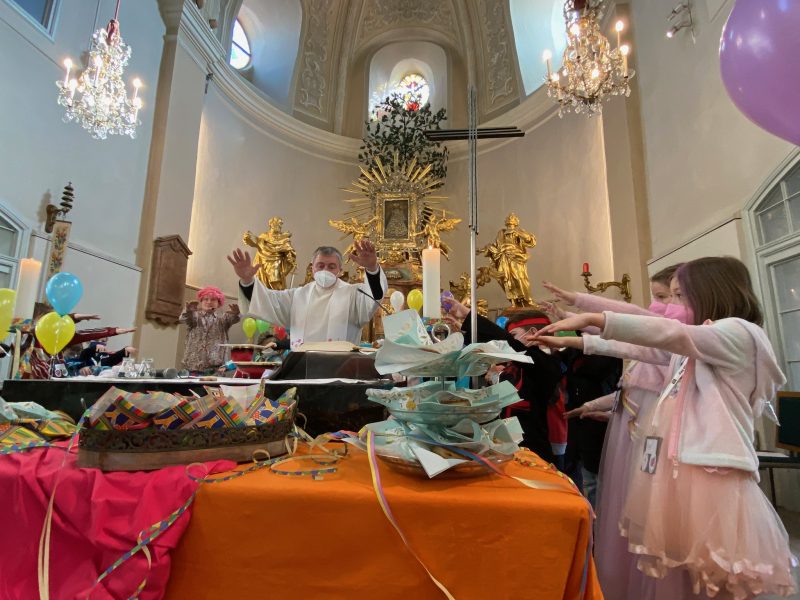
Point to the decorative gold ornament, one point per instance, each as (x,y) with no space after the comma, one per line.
(624,286)
(431,230)
(355,228)
(509,257)
(395,209)
(275,256)
(462,289)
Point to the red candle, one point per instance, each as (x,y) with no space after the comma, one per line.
(585,267)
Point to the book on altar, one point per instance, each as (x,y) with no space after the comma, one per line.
(334,346)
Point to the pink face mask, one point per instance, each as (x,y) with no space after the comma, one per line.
(679,312)
(657,307)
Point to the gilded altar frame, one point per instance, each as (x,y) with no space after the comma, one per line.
(398,196)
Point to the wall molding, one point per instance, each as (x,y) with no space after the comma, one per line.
(89,252)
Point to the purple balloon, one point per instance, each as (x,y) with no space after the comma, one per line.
(760,62)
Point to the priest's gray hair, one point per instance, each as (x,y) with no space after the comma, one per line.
(327,251)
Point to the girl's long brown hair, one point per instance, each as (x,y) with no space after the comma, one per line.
(718,287)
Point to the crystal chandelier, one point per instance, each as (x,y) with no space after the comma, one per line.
(97,99)
(591,71)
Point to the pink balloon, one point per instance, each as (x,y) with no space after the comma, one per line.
(760,62)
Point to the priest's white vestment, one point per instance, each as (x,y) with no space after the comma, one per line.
(314,314)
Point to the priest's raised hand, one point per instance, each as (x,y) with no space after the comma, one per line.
(365,255)
(243,266)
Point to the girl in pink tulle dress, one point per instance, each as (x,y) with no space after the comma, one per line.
(639,389)
(694,509)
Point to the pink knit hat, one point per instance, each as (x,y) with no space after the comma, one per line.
(211,292)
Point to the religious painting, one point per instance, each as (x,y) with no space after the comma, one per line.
(396,219)
(58,249)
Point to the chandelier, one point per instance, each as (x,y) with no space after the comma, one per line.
(591,71)
(97,99)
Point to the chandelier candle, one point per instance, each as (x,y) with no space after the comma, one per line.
(28,289)
(431,278)
(101,104)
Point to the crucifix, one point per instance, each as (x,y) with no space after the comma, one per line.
(472,134)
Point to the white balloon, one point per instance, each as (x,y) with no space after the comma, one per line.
(397,300)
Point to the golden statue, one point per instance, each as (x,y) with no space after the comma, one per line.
(462,289)
(275,257)
(509,256)
(433,227)
(359,230)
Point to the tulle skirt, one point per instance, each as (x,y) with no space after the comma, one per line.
(715,525)
(617,570)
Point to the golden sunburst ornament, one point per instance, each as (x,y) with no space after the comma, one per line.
(395,208)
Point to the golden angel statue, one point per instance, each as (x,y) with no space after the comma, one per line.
(462,289)
(354,227)
(509,256)
(433,227)
(275,256)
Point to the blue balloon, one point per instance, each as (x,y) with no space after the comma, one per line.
(501,321)
(63,292)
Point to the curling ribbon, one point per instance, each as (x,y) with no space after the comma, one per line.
(376,485)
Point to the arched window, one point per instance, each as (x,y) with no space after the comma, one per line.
(414,89)
(240,47)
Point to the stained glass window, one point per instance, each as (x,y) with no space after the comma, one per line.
(240,47)
(415,90)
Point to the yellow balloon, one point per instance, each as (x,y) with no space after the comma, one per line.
(54,332)
(414,299)
(249,326)
(8,298)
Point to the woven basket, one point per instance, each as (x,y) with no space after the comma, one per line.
(145,449)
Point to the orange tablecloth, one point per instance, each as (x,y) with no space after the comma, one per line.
(265,535)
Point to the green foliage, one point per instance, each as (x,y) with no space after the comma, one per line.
(400,130)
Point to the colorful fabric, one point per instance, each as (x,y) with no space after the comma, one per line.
(455,515)
(97,518)
(183,413)
(124,414)
(223,413)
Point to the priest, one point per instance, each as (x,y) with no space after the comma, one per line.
(326,309)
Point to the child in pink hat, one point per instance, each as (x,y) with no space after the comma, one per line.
(207,330)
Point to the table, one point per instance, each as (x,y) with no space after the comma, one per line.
(327,406)
(266,535)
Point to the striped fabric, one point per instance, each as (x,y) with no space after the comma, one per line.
(124,414)
(180,415)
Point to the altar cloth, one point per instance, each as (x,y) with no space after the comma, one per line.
(96,520)
(270,536)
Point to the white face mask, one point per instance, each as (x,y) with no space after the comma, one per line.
(324,279)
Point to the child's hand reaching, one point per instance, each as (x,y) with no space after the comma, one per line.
(234,309)
(568,297)
(554,310)
(191,306)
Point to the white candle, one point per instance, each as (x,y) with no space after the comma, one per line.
(625,50)
(431,280)
(28,289)
(68,65)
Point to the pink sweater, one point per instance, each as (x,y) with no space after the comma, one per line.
(735,375)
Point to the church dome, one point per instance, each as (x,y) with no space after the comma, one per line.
(326,62)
